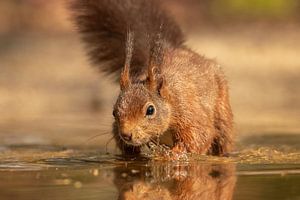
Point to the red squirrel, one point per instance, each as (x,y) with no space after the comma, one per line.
(165,88)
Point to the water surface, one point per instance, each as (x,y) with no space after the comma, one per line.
(54,172)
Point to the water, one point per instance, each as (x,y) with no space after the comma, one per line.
(53,172)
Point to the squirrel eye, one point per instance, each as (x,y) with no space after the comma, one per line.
(150,110)
(114,113)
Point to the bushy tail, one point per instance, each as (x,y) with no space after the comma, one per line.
(104,24)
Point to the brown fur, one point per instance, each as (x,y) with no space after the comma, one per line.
(188,91)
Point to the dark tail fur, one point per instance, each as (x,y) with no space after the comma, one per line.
(104,24)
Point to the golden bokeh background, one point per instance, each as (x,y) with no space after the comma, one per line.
(50,94)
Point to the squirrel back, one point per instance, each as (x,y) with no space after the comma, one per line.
(104,27)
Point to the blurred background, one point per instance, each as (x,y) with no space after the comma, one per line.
(50,94)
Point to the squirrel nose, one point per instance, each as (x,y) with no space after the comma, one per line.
(126,136)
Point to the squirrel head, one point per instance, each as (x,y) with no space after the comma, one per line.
(141,115)
(142,111)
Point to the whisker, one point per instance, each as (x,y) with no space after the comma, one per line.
(105,118)
(108,143)
(123,145)
(106,125)
(95,136)
(116,148)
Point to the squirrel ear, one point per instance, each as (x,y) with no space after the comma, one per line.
(161,87)
(152,78)
(156,82)
(125,75)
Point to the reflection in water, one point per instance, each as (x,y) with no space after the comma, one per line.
(29,172)
(176,181)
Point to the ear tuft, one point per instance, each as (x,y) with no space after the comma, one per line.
(125,74)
